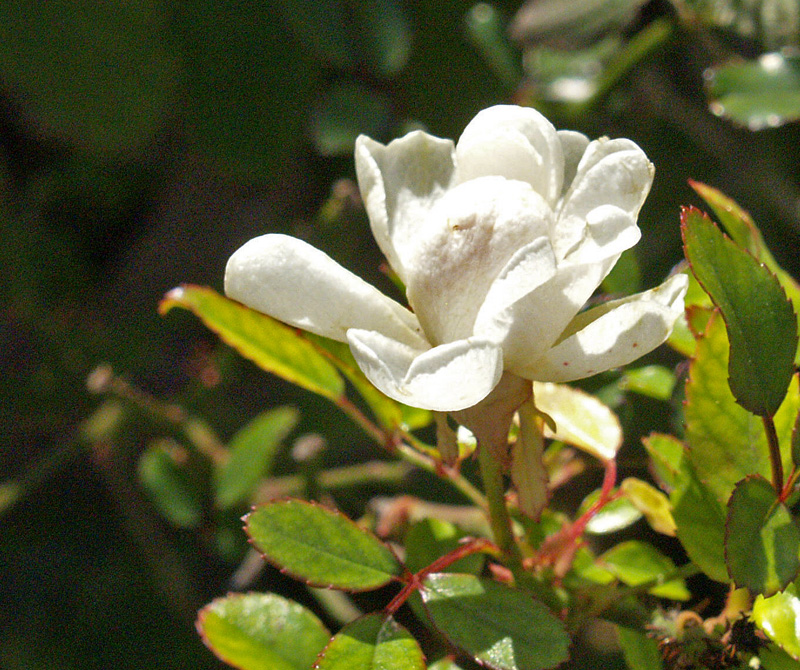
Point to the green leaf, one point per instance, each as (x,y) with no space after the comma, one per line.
(581,419)
(320,546)
(779,617)
(616,515)
(345,111)
(635,563)
(173,486)
(651,502)
(101,75)
(761,93)
(699,522)
(654,381)
(444,664)
(640,651)
(271,345)
(666,453)
(501,628)
(430,539)
(373,642)
(251,453)
(262,632)
(761,539)
(743,230)
(725,442)
(762,327)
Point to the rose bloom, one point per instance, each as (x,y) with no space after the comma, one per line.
(499,239)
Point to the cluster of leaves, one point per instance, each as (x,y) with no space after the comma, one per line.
(726,487)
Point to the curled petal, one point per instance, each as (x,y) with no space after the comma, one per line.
(613,334)
(573,146)
(446,378)
(515,143)
(609,188)
(304,287)
(399,183)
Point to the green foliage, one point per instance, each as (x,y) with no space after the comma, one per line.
(320,546)
(251,453)
(761,325)
(173,487)
(640,651)
(779,617)
(374,642)
(262,631)
(504,628)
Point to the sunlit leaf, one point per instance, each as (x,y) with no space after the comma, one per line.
(636,563)
(762,93)
(251,452)
(373,642)
(502,628)
(761,539)
(654,381)
(581,419)
(667,453)
(725,442)
(616,515)
(271,345)
(651,502)
(779,617)
(761,324)
(320,546)
(262,632)
(743,230)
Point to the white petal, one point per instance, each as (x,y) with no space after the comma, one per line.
(573,146)
(446,378)
(610,185)
(399,184)
(613,334)
(304,287)
(516,143)
(470,236)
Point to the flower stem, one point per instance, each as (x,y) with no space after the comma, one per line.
(499,518)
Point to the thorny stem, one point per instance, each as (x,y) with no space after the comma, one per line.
(774,454)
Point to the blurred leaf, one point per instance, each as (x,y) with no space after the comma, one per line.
(172,486)
(320,546)
(667,454)
(635,563)
(762,93)
(251,453)
(725,442)
(345,111)
(581,419)
(625,277)
(743,230)
(488,31)
(99,75)
(262,632)
(651,502)
(687,328)
(779,617)
(444,664)
(699,523)
(654,381)
(373,642)
(761,324)
(502,628)
(640,651)
(616,515)
(271,345)
(761,539)
(430,539)
(247,82)
(383,34)
(775,658)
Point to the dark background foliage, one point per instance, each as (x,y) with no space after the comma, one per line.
(141,142)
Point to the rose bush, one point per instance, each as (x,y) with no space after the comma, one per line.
(500,240)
